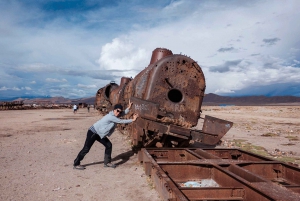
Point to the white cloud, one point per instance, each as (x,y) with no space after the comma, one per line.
(15,88)
(36,67)
(72,93)
(124,56)
(222,90)
(55,80)
(87,86)
(296,61)
(33,82)
(4,88)
(121,55)
(206,37)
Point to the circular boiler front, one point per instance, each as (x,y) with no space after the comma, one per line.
(177,84)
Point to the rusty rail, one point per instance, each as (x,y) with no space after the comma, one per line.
(181,174)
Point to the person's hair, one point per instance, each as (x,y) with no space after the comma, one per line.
(118,106)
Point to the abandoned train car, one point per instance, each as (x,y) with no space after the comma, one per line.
(167,95)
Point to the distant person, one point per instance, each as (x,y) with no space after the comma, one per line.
(100,131)
(74,108)
(88,107)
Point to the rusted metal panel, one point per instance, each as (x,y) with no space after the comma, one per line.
(180,130)
(157,127)
(136,134)
(233,154)
(145,109)
(213,130)
(219,174)
(213,125)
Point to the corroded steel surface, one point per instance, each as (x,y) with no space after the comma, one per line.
(219,174)
(159,53)
(167,95)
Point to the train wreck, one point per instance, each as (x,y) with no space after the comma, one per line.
(167,95)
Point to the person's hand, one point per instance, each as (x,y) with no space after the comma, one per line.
(135,116)
(130,104)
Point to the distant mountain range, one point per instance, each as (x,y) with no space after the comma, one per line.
(213,99)
(209,99)
(57,100)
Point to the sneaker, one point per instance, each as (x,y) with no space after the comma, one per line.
(78,167)
(110,165)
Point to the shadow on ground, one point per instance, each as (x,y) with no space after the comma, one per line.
(124,157)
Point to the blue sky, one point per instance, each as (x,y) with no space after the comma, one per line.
(72,48)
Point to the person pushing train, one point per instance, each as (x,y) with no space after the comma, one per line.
(100,131)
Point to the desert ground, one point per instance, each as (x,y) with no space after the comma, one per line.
(272,131)
(37,149)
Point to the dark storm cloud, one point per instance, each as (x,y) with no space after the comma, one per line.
(225,67)
(95,74)
(269,66)
(225,49)
(271,41)
(276,89)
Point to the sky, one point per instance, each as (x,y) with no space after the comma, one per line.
(72,48)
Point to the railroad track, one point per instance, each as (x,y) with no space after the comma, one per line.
(181,174)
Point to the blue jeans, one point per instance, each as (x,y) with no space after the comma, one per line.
(90,139)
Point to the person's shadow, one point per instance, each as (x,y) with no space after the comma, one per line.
(124,157)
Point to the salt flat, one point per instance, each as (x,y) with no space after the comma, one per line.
(37,149)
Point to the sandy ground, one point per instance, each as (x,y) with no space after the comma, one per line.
(272,131)
(37,149)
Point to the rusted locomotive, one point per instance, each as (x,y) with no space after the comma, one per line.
(167,95)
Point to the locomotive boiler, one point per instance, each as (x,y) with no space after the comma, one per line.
(167,95)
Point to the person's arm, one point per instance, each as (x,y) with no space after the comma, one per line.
(128,108)
(129,104)
(124,121)
(135,116)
